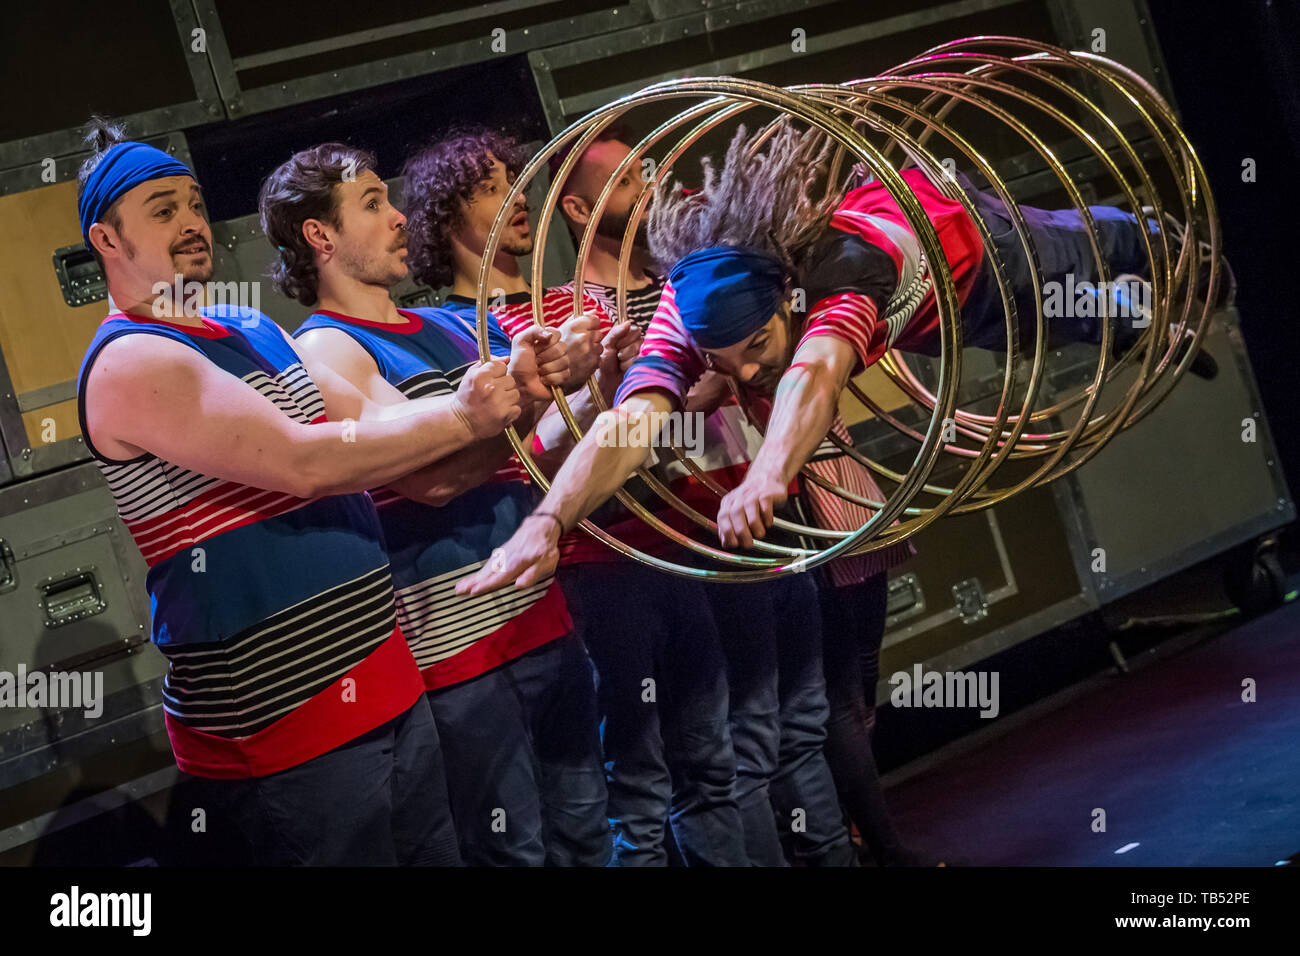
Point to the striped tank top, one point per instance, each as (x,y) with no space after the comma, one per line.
(275,613)
(454,638)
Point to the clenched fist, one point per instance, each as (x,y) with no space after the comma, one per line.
(621,346)
(581,337)
(487,399)
(538,362)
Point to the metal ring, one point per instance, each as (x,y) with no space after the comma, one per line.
(1010,84)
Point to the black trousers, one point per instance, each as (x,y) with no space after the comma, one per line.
(853,621)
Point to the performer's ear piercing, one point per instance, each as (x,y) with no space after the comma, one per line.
(329,247)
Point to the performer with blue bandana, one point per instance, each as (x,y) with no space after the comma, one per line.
(291,696)
(752,235)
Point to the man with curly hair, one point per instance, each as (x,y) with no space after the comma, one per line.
(509,684)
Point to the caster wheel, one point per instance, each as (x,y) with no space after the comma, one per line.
(1254,579)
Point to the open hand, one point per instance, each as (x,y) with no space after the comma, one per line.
(529,556)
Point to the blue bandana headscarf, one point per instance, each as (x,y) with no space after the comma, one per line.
(124,166)
(725,293)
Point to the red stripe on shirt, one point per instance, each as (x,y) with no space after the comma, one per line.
(378,689)
(541,623)
(217,510)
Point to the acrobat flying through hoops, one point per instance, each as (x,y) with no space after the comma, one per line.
(749,237)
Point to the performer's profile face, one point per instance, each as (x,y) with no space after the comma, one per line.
(592,173)
(761,358)
(371,235)
(162,232)
(479,212)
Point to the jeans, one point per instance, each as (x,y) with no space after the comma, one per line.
(662,689)
(377,800)
(771,636)
(853,621)
(1062,241)
(522,751)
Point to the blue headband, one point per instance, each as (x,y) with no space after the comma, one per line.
(123,167)
(724,294)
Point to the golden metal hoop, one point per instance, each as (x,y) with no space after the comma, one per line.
(953,94)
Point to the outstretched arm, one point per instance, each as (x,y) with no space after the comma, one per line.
(151,394)
(596,469)
(806,401)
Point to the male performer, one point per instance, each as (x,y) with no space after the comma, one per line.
(577,202)
(669,758)
(767,631)
(454,190)
(728,305)
(240,474)
(510,685)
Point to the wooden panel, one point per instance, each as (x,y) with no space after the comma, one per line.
(66,423)
(42,337)
(879,389)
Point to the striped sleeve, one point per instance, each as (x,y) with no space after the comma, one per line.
(669,360)
(851,317)
(833,512)
(557,308)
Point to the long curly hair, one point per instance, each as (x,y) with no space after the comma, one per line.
(438,179)
(765,198)
(299,189)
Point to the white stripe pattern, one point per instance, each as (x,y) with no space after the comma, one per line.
(151,487)
(292,391)
(240,688)
(439,623)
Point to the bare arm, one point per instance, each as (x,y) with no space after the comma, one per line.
(150,394)
(806,401)
(593,472)
(535,359)
(440,482)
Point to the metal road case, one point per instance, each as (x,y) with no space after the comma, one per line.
(72,599)
(164,84)
(267,57)
(754,39)
(1189,482)
(1178,488)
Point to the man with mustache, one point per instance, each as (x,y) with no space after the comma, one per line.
(240,471)
(508,682)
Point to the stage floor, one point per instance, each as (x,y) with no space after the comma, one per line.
(1187,773)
